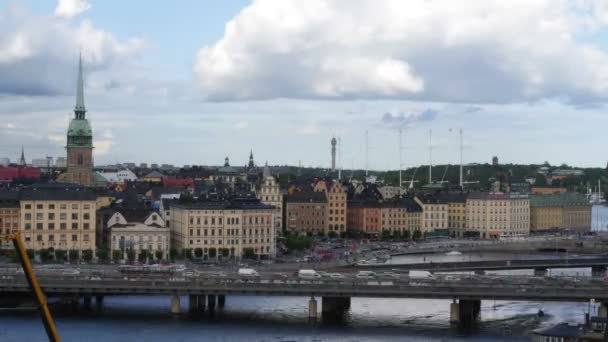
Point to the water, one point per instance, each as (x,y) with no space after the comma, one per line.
(146,318)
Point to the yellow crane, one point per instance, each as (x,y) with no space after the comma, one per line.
(47,319)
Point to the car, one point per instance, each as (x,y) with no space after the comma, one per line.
(336,276)
(366,274)
(389,275)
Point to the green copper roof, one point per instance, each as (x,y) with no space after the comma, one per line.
(558,200)
(80,127)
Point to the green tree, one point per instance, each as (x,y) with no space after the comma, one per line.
(60,255)
(406,235)
(143,255)
(13,256)
(397,235)
(225,252)
(174,254)
(331,234)
(198,252)
(417,235)
(159,255)
(540,180)
(248,253)
(102,254)
(212,252)
(385,235)
(187,253)
(130,255)
(30,253)
(73,254)
(45,255)
(343,235)
(116,255)
(298,243)
(87,255)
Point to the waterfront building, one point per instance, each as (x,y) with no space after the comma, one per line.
(365,216)
(230,228)
(434,213)
(394,217)
(306,212)
(457,212)
(61,216)
(269,192)
(80,143)
(9,215)
(137,230)
(564,211)
(335,194)
(493,215)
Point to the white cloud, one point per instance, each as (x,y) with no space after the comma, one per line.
(241,125)
(102,147)
(474,51)
(37,52)
(71,8)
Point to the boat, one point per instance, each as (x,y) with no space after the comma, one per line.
(453,253)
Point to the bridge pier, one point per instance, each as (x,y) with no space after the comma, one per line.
(175,304)
(598,271)
(335,306)
(87,301)
(540,272)
(602,310)
(312,308)
(465,313)
(202,302)
(221,301)
(193,304)
(211,302)
(99,300)
(455,312)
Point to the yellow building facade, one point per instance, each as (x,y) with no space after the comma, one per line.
(58,218)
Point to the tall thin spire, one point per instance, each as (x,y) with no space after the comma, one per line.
(22,159)
(79,109)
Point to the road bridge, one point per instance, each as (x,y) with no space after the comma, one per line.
(210,291)
(597,264)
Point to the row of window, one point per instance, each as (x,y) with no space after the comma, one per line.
(51,216)
(51,237)
(62,206)
(62,226)
(229,242)
(230,231)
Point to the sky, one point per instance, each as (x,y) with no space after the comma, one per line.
(194,81)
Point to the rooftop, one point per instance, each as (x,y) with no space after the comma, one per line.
(558,200)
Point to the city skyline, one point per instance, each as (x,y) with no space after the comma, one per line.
(149,94)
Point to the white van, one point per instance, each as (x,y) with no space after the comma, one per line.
(247,272)
(421,275)
(308,274)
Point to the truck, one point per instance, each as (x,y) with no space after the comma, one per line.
(247,272)
(308,274)
(421,274)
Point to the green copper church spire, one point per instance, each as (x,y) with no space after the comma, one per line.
(79,132)
(80,110)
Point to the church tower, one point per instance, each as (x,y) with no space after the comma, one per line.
(80,140)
